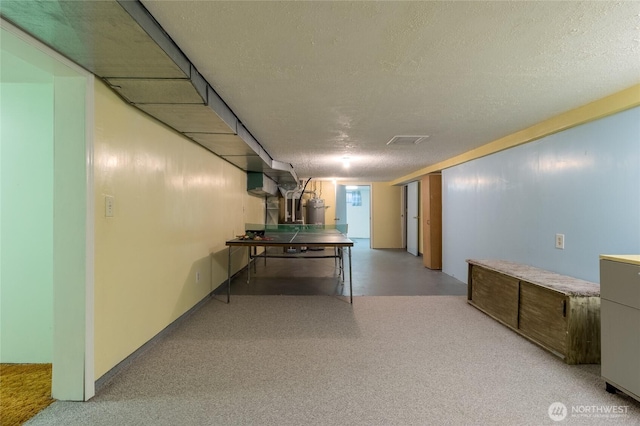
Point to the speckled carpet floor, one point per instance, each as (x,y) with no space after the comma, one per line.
(316,360)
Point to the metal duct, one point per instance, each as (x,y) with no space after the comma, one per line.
(260,184)
(120,42)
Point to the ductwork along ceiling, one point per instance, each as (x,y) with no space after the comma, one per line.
(394,87)
(120,42)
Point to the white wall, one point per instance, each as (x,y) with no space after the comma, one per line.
(583,182)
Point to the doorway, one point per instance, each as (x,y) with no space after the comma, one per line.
(358,201)
(412,217)
(46,181)
(341,209)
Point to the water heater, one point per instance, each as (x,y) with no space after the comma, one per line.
(315,211)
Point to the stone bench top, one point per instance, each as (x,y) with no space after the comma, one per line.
(562,283)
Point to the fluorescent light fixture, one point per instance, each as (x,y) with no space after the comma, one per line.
(346,162)
(352,186)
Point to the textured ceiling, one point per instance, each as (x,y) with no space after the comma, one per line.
(315,81)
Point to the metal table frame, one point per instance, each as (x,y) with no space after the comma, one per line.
(252,244)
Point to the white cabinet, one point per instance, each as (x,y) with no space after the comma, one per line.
(620,323)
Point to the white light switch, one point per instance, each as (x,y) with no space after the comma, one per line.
(560,241)
(108,205)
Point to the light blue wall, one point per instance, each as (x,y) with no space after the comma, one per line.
(583,182)
(26,264)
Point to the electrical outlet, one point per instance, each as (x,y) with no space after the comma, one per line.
(197,277)
(108,205)
(560,241)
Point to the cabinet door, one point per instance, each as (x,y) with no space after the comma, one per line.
(543,316)
(621,345)
(495,294)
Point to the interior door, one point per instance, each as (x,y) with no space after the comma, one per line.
(413,233)
(431,198)
(341,208)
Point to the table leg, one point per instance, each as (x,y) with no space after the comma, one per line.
(350,279)
(254,252)
(249,265)
(229,276)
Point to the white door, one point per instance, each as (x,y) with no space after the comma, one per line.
(358,211)
(341,208)
(412,218)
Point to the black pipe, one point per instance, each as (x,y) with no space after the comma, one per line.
(297,205)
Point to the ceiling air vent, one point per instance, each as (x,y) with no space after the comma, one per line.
(407,140)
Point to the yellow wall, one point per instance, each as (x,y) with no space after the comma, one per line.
(386,228)
(175,204)
(326,190)
(386,218)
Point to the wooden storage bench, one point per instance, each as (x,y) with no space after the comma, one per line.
(559,313)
